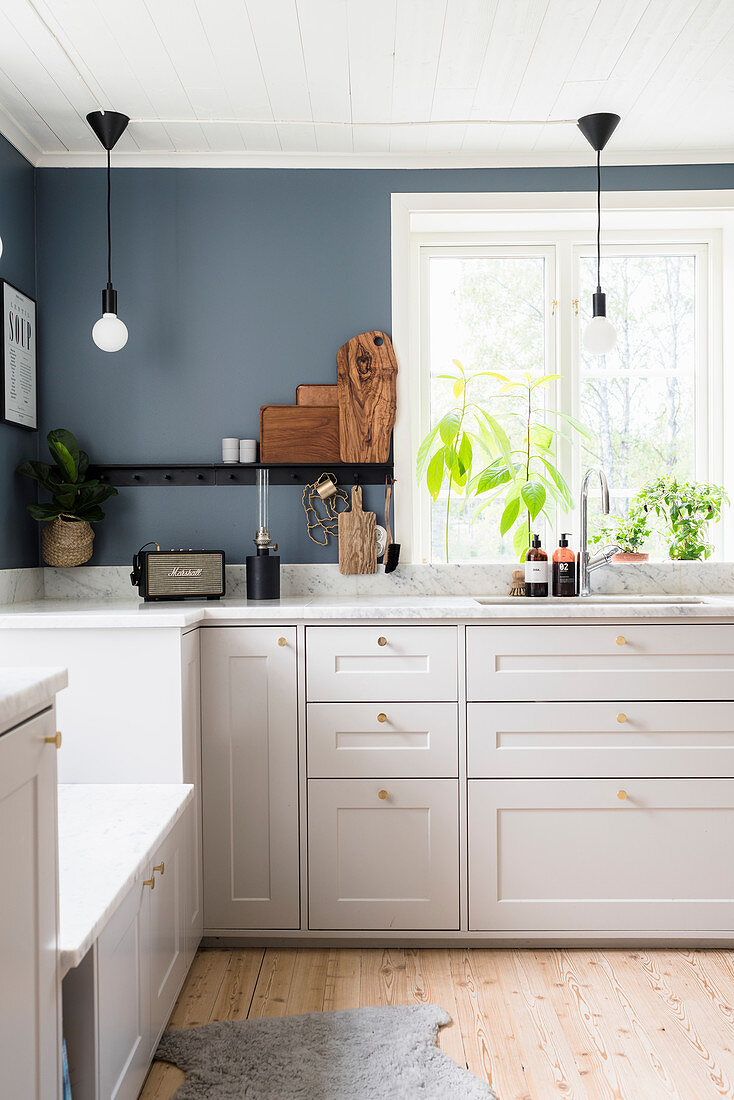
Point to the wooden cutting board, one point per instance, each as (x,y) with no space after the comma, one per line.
(366,370)
(299,433)
(357,538)
(317,395)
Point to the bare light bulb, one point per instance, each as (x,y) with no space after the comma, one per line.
(600,336)
(109,332)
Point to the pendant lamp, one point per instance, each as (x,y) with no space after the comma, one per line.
(600,335)
(109,332)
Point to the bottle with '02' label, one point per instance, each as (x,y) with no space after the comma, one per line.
(536,569)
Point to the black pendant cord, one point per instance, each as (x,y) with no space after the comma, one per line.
(599,219)
(109,225)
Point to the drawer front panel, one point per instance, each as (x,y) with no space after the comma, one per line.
(567,740)
(360,740)
(383,863)
(381,663)
(560,855)
(631,661)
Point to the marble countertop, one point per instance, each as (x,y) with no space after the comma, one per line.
(25,690)
(125,613)
(108,833)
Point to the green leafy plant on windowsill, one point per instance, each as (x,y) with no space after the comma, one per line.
(522,471)
(630,532)
(686,509)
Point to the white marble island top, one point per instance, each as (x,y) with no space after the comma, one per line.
(108,833)
(24,691)
(127,613)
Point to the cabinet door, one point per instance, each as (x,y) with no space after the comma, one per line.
(572,855)
(123,997)
(191,711)
(29,990)
(383,855)
(165,958)
(250,777)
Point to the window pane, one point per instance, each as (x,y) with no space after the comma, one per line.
(488,312)
(639,400)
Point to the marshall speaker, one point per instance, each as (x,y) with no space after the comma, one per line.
(178,574)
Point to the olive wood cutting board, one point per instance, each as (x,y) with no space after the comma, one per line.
(299,433)
(357,538)
(366,371)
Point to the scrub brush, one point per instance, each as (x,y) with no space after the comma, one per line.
(392,554)
(517,588)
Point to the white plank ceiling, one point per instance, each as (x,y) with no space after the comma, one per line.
(336,82)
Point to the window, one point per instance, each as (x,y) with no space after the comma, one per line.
(516,299)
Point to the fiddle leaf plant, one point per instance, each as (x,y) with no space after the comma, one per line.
(527,479)
(74,495)
(463,434)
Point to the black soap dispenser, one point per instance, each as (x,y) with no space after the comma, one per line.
(536,569)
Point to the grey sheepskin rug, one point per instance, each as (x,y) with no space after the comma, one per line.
(360,1054)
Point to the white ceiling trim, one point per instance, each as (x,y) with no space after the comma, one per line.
(245,159)
(18,138)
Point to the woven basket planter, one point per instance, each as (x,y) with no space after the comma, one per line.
(67,542)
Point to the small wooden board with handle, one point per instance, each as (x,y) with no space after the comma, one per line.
(308,394)
(366,370)
(357,538)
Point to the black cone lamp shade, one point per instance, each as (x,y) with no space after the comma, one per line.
(109,332)
(600,335)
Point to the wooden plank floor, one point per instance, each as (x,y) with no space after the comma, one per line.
(577,1024)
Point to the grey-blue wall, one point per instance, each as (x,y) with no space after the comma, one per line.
(236,285)
(18,532)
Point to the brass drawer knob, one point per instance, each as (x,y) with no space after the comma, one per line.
(55,740)
(282,641)
(383,795)
(382,717)
(621,718)
(149,882)
(622,796)
(382,641)
(160,868)
(621,640)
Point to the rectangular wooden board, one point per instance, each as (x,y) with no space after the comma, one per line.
(317,395)
(366,370)
(299,433)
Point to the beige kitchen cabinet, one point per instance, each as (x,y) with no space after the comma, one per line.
(383,854)
(359,740)
(609,661)
(168,924)
(381,663)
(592,740)
(191,744)
(250,778)
(30,1034)
(601,855)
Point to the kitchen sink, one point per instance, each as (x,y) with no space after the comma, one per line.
(598,601)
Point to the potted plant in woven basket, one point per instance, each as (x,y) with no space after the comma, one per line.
(76,500)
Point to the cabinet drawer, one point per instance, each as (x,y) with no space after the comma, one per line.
(600,662)
(356,740)
(543,740)
(381,663)
(559,855)
(383,863)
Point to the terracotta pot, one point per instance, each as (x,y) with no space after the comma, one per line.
(625,557)
(66,542)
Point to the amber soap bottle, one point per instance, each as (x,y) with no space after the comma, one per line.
(564,569)
(536,569)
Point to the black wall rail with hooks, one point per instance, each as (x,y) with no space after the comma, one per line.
(160,474)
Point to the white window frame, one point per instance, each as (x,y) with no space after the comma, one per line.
(692,218)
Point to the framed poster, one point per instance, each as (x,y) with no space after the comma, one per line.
(18,358)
